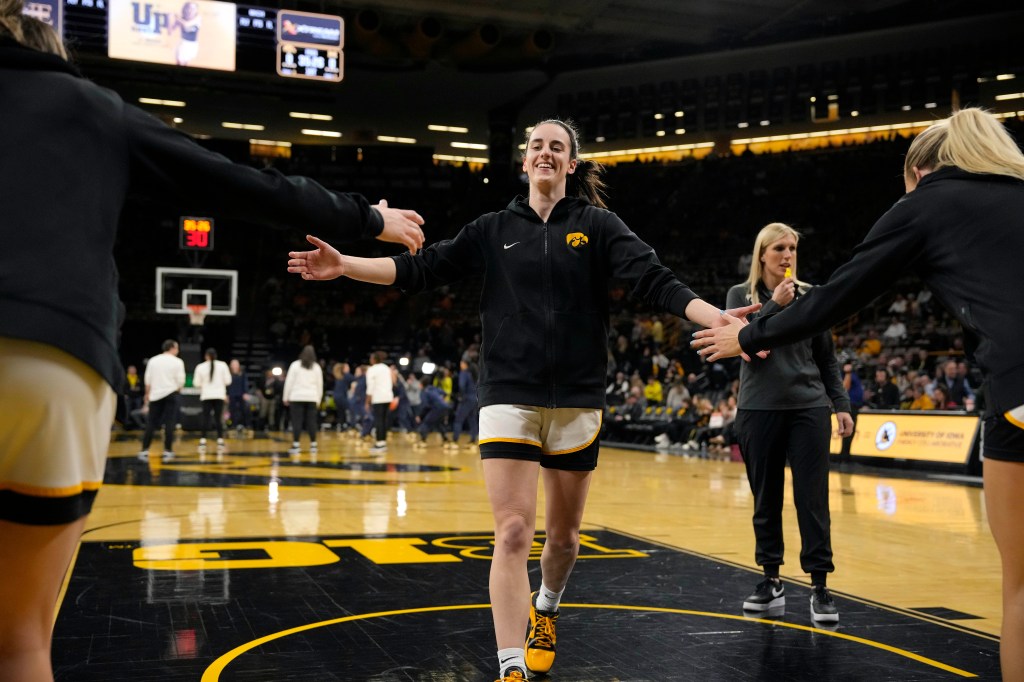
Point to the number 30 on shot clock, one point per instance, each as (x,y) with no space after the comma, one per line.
(196,234)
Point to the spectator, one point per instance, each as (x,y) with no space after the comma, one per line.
(896,331)
(653,391)
(882,393)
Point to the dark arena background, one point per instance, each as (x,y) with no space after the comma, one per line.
(713,118)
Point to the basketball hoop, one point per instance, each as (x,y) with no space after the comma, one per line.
(196,314)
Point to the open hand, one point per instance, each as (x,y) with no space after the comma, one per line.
(324,262)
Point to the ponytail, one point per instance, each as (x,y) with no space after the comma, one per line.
(10,22)
(211,354)
(972,140)
(587,184)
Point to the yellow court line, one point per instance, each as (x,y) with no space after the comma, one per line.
(67,581)
(212,673)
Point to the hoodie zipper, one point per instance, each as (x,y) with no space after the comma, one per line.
(548,321)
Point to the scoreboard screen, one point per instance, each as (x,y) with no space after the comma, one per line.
(317,63)
(310,45)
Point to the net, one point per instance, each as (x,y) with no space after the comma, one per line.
(196,314)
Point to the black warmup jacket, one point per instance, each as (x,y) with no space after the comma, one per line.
(71,153)
(544,305)
(963,233)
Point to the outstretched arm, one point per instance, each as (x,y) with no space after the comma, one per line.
(326,262)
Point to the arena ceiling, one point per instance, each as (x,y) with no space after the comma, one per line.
(409,63)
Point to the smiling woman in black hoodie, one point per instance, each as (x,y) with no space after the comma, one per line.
(71,153)
(960,226)
(546,261)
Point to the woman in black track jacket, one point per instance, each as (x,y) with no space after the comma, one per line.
(546,261)
(961,228)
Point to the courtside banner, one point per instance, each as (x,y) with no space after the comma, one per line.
(927,437)
(197,33)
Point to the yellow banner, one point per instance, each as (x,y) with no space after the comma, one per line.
(944,438)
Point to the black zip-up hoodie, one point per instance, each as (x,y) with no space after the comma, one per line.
(963,233)
(71,153)
(544,305)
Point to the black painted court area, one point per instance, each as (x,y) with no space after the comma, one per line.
(401,608)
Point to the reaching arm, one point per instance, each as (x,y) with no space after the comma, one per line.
(169,161)
(326,262)
(893,246)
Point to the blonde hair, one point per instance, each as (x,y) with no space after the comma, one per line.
(10,24)
(40,36)
(769,234)
(29,31)
(972,140)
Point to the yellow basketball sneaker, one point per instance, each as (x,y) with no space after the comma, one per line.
(514,674)
(540,638)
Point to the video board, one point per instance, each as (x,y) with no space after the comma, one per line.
(195,33)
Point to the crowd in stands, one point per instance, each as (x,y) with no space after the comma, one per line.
(904,352)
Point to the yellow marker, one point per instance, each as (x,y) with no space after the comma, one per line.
(789,272)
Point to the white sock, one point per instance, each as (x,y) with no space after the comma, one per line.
(508,658)
(547,600)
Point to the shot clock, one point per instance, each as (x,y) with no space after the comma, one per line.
(195,234)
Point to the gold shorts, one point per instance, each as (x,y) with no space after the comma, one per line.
(55,419)
(558,438)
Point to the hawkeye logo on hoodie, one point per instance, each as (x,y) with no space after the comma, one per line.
(576,240)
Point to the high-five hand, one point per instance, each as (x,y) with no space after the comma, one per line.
(324,262)
(401,226)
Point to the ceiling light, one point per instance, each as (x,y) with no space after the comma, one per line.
(462,159)
(447,129)
(321,133)
(400,140)
(469,145)
(648,150)
(270,143)
(161,102)
(242,126)
(1013,95)
(315,117)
